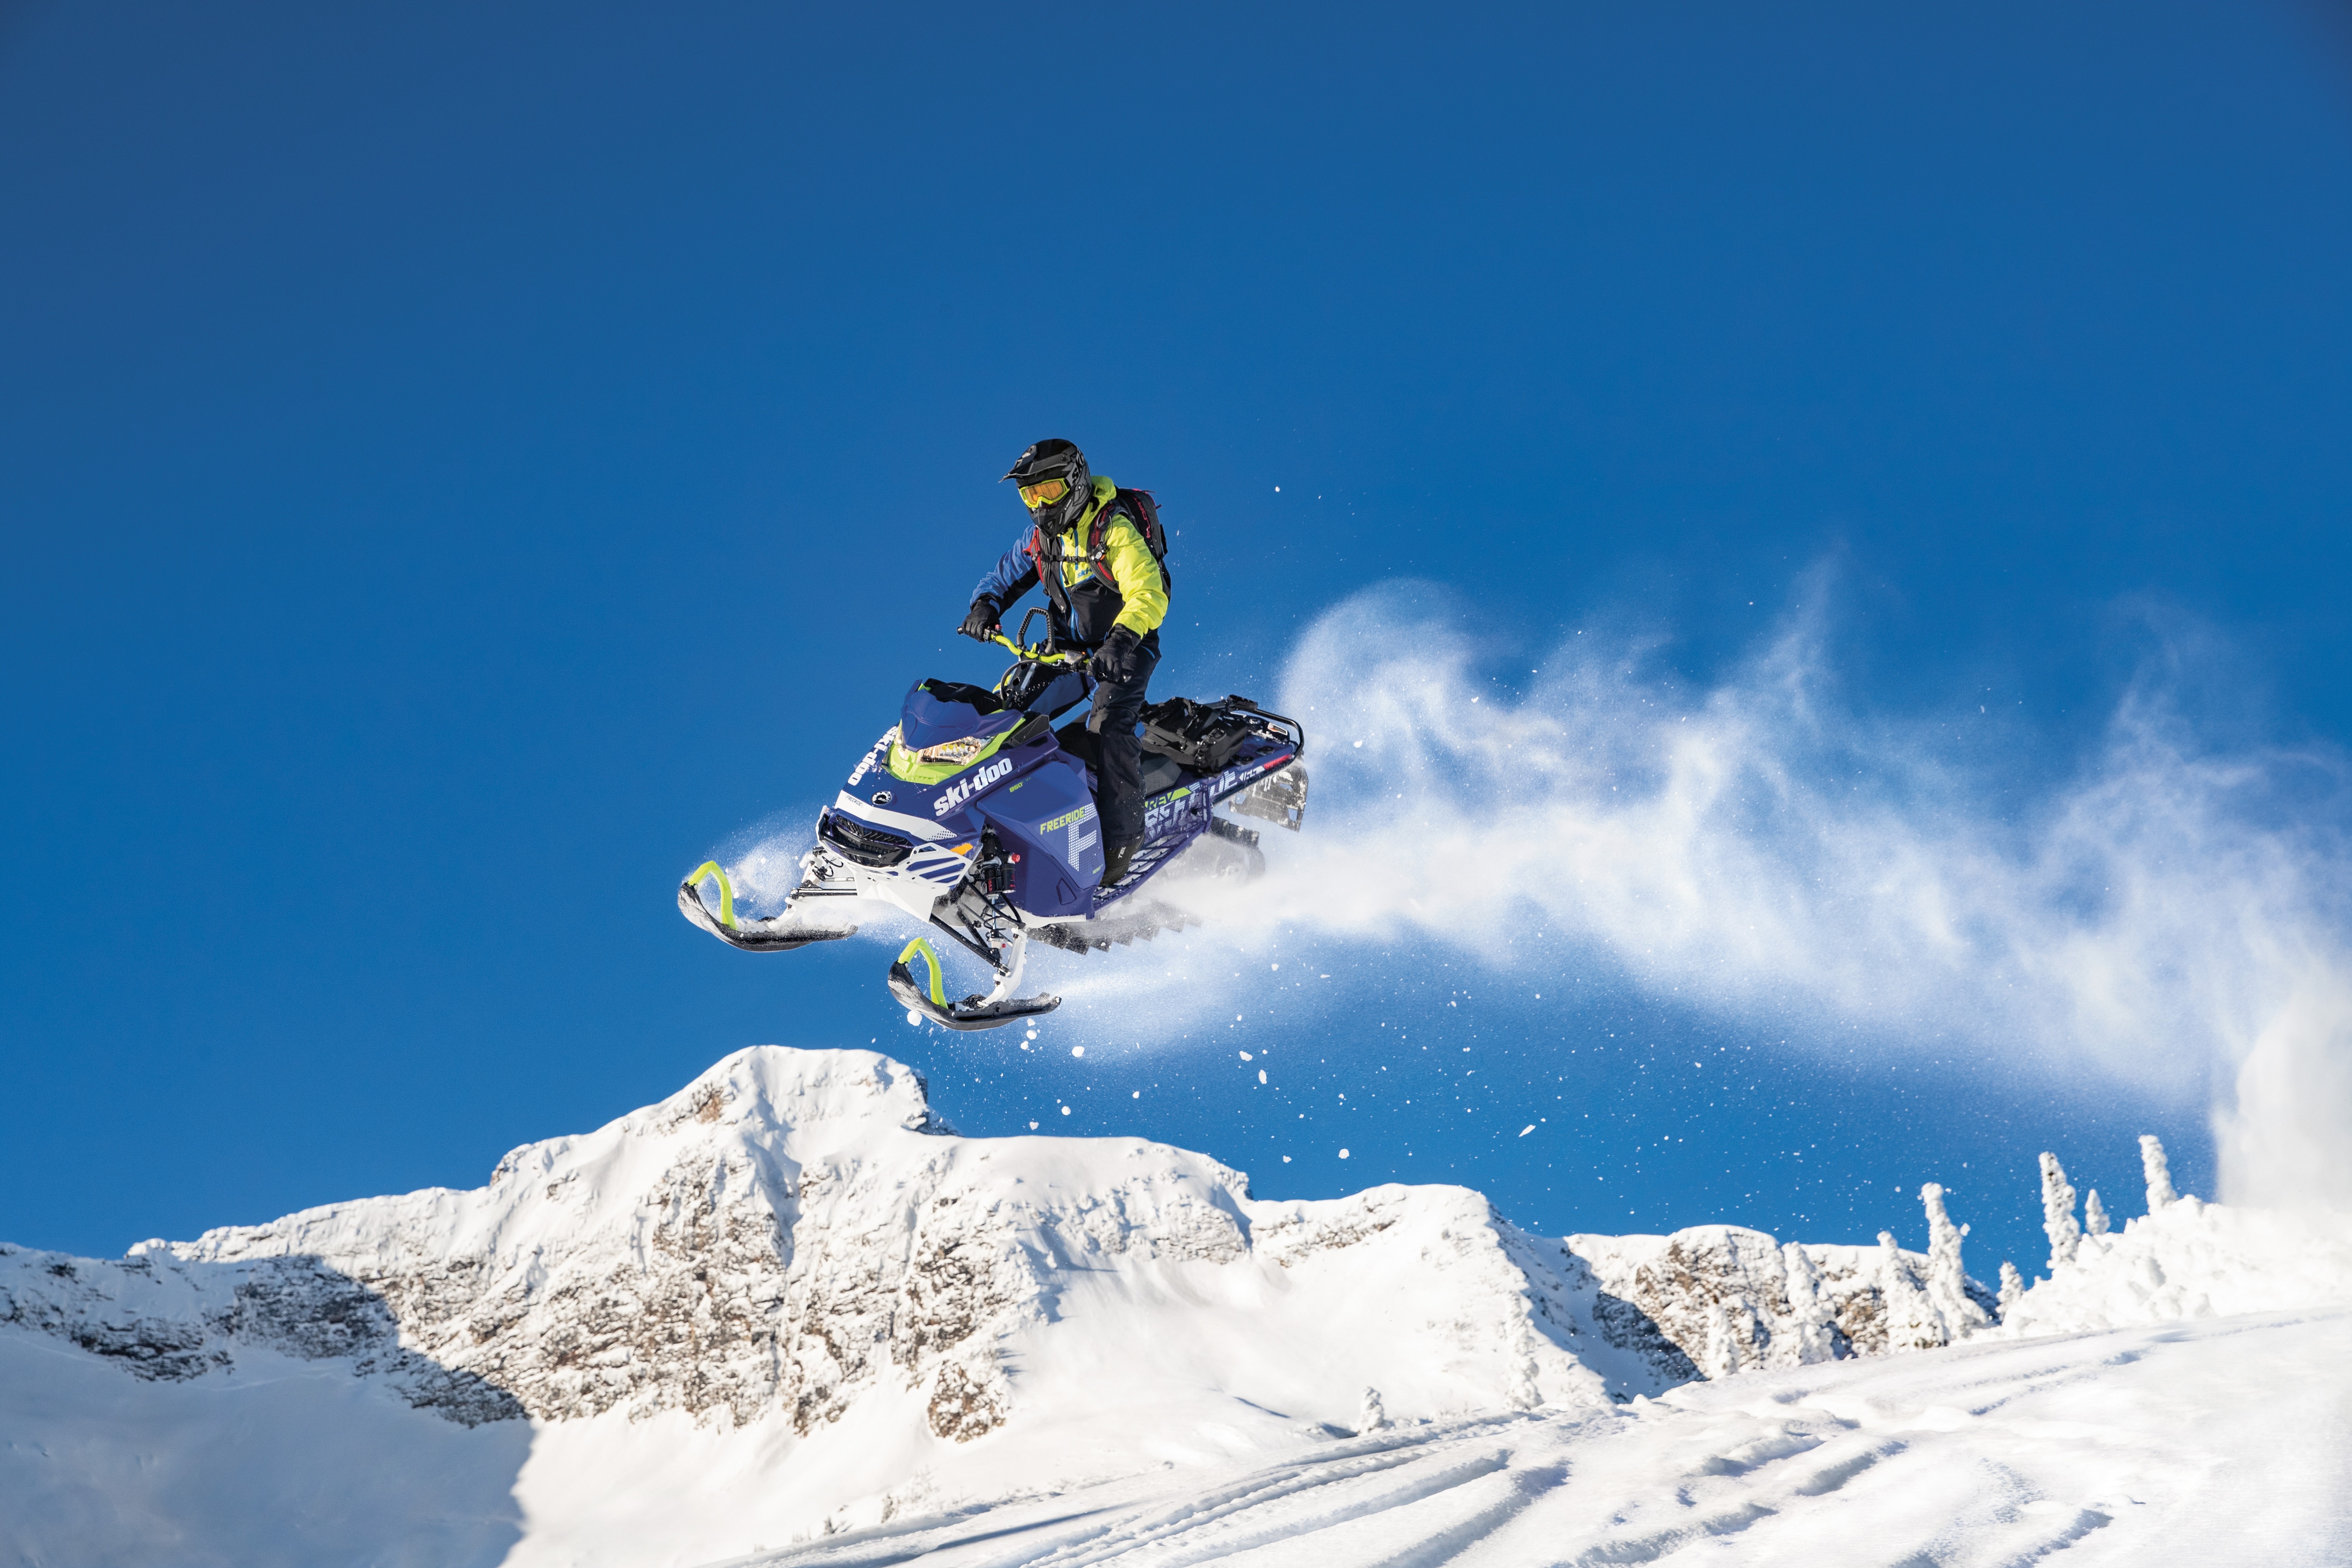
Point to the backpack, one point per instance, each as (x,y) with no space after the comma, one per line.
(1140,508)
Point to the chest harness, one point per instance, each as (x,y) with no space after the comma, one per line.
(1050,551)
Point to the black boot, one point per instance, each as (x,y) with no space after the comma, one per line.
(1117,857)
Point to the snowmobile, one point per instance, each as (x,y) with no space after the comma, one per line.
(976,816)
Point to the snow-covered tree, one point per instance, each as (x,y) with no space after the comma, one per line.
(2159,1170)
(1808,1311)
(1948,1282)
(2012,1286)
(2058,1213)
(1912,1321)
(1371,1417)
(2095,1213)
(1718,1360)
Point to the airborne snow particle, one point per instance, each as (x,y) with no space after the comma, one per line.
(1285,1159)
(1065,1110)
(1033,1127)
(1528,1129)
(1136,1095)
(1343,1154)
(1277,966)
(913,1017)
(1077,1050)
(1246,1057)
(1261,1075)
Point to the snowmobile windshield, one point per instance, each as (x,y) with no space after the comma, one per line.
(938,710)
(946,726)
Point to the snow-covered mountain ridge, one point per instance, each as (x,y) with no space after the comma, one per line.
(787,1299)
(795,1227)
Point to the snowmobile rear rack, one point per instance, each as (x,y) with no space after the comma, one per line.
(1204,736)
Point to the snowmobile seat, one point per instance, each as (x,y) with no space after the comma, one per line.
(1160,773)
(1078,741)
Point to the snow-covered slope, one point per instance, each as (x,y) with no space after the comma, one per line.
(2197,1444)
(787,1301)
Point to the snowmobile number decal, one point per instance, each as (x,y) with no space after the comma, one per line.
(963,790)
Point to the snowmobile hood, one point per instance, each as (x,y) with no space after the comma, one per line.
(941,711)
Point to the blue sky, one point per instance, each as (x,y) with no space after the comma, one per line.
(461,468)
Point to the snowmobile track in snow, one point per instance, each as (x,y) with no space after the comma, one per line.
(1981,1457)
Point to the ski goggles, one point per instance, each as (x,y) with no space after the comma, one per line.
(1045,493)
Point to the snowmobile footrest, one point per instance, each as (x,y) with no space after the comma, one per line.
(971,1012)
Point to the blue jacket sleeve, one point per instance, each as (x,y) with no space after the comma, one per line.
(1011,576)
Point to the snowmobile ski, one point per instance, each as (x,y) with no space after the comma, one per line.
(779,933)
(973,1013)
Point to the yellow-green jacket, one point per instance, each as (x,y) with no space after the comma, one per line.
(1097,573)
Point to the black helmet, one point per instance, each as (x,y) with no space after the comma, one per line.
(1055,459)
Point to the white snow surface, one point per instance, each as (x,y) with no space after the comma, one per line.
(2205,1444)
(787,1312)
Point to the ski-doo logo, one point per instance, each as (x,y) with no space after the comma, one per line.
(962,790)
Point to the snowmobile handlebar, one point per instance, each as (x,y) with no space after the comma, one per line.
(1037,653)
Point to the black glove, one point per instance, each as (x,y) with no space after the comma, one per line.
(980,621)
(1114,660)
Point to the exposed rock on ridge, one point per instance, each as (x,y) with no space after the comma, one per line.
(794,1233)
(1716,1300)
(161,1320)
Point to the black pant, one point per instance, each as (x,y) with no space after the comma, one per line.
(1110,744)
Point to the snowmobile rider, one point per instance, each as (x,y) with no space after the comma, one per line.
(1107,591)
